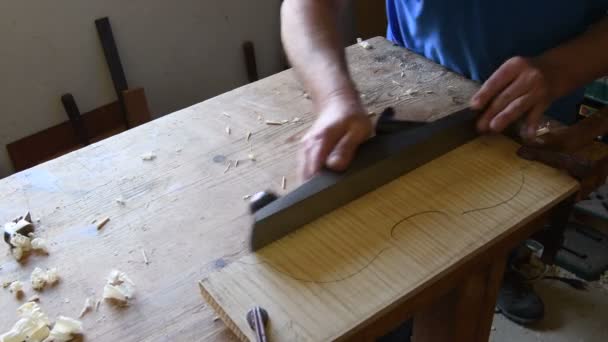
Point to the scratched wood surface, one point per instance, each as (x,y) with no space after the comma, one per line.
(182,208)
(347,267)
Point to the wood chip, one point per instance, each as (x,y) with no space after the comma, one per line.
(88,306)
(148,156)
(248,135)
(143,254)
(283,182)
(364,44)
(229,166)
(542,131)
(274,123)
(228,130)
(411,92)
(102,223)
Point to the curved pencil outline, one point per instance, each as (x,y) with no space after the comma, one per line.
(521,186)
(394,227)
(392,236)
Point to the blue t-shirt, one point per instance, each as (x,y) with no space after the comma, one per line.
(474,37)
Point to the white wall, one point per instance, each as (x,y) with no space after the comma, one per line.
(180,51)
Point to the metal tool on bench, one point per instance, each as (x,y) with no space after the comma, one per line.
(558,148)
(395,150)
(257,318)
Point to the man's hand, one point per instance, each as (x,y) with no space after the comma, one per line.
(520,86)
(333,139)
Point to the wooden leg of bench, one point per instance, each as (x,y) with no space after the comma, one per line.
(465,313)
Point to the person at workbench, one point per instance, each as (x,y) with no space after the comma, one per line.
(533,58)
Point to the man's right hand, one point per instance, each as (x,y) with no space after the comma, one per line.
(333,139)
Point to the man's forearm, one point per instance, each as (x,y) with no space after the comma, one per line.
(312,41)
(578,61)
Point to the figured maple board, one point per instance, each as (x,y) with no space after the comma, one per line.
(181,208)
(332,275)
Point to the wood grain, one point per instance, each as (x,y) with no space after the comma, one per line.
(181,208)
(330,277)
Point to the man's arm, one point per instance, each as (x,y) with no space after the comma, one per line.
(530,85)
(311,39)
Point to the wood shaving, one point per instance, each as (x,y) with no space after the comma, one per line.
(364,44)
(65,329)
(274,123)
(148,156)
(283,182)
(143,254)
(16,288)
(119,289)
(102,223)
(40,279)
(32,326)
(40,245)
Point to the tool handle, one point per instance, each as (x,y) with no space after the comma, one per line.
(260,330)
(71,108)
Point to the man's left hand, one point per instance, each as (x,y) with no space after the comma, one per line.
(520,86)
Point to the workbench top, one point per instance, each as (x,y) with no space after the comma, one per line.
(185,208)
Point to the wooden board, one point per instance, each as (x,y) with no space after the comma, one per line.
(181,208)
(333,275)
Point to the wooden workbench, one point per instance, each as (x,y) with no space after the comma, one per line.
(186,211)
